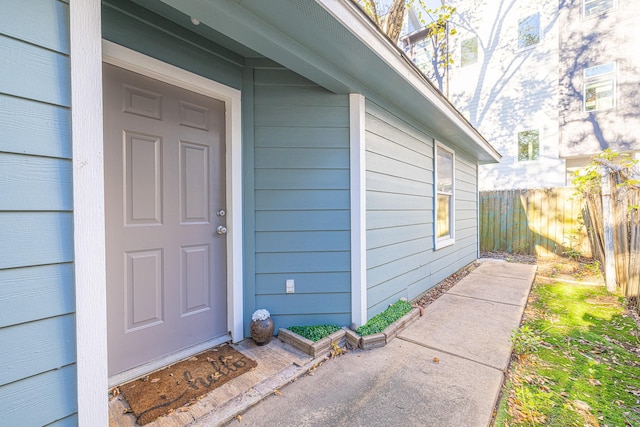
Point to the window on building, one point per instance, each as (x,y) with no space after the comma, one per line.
(469,51)
(528,145)
(600,87)
(529,31)
(421,55)
(593,7)
(444,168)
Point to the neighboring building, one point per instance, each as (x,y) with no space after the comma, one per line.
(548,83)
(166,167)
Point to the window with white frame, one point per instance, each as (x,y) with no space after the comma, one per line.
(469,51)
(421,55)
(444,186)
(529,31)
(600,87)
(528,145)
(594,7)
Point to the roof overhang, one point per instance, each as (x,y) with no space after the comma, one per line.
(334,44)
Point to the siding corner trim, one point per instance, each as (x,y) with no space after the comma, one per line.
(88,214)
(358,208)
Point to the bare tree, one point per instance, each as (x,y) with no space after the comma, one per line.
(390,20)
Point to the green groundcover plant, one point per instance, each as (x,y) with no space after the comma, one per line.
(380,321)
(314,332)
(577,361)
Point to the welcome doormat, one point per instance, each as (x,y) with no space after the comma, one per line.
(175,386)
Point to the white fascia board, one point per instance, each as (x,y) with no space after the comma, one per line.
(351,17)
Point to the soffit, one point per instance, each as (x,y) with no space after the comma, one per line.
(321,42)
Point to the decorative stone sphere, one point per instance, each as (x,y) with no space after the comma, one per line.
(262,330)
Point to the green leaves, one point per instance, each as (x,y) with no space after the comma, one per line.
(315,332)
(525,340)
(379,322)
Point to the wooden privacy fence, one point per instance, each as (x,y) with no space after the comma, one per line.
(613,220)
(539,222)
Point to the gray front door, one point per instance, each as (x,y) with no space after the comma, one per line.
(164,201)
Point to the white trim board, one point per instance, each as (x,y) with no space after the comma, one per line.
(358,209)
(88,212)
(134,61)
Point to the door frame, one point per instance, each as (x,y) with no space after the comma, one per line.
(131,60)
(88,52)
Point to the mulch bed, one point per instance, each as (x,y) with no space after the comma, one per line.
(183,383)
(436,292)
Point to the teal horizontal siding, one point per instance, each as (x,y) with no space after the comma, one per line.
(297,158)
(382,164)
(35,238)
(399,202)
(301,199)
(295,116)
(414,153)
(37,290)
(280,199)
(401,260)
(389,184)
(31,72)
(272,95)
(33,293)
(296,304)
(37,347)
(301,179)
(32,22)
(397,251)
(302,137)
(46,181)
(386,219)
(398,268)
(388,236)
(303,241)
(41,399)
(302,220)
(302,262)
(305,283)
(30,127)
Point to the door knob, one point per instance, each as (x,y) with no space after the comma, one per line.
(221,230)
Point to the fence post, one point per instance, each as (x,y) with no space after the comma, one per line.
(607,221)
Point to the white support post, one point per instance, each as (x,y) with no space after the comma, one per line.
(607,221)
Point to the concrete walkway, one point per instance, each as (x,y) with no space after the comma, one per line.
(446,369)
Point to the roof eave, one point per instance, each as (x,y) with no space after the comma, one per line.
(354,19)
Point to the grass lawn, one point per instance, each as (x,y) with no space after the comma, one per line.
(576,361)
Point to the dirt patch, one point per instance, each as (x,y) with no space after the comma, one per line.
(581,269)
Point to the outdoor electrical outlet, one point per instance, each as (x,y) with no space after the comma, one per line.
(291,286)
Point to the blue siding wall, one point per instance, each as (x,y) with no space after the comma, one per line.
(37,322)
(301,198)
(401,261)
(135,27)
